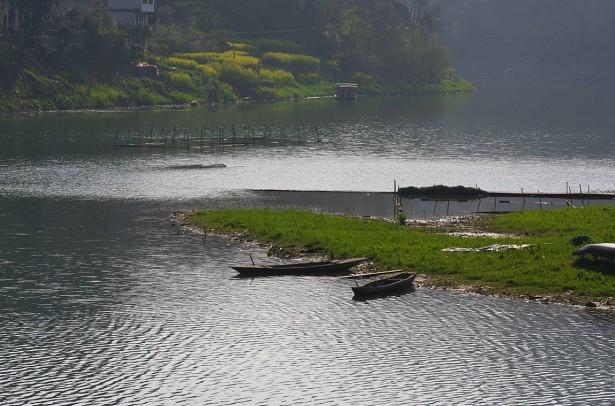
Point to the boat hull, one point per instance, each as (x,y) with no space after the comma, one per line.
(392,284)
(603,250)
(304,268)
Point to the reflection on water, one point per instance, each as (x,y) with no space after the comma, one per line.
(491,139)
(416,208)
(103,302)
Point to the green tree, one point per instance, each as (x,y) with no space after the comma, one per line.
(105,42)
(32,14)
(91,39)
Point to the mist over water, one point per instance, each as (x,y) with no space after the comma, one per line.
(102,301)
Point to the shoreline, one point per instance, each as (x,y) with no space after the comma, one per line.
(189,105)
(443,196)
(453,224)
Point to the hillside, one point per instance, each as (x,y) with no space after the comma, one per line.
(216,52)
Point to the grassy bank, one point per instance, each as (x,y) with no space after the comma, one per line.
(242,72)
(546,269)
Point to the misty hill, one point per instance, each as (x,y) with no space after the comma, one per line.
(545,40)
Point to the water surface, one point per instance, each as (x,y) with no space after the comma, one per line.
(501,139)
(103,301)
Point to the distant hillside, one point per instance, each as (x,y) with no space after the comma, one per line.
(546,40)
(220,51)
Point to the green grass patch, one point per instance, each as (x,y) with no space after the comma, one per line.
(98,94)
(251,49)
(240,58)
(296,91)
(597,222)
(145,92)
(296,63)
(546,268)
(275,45)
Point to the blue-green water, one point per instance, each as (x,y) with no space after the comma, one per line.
(102,301)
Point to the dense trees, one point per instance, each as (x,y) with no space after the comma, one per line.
(301,47)
(390,40)
(93,39)
(394,40)
(26,16)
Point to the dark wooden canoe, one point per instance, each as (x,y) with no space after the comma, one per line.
(395,283)
(299,268)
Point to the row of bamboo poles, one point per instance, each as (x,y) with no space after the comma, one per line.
(215,136)
(491,202)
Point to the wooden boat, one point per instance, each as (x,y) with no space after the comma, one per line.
(603,250)
(299,268)
(395,283)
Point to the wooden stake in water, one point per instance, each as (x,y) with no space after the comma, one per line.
(201,135)
(394,199)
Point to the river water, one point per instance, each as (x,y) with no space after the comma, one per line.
(102,301)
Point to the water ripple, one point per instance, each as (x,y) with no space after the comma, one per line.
(157,318)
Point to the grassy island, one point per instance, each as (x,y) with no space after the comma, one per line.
(545,270)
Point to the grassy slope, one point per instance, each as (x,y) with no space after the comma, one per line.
(205,77)
(546,268)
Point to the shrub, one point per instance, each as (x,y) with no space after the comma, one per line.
(180,80)
(242,47)
(332,67)
(242,79)
(180,97)
(276,77)
(363,78)
(148,97)
(296,63)
(94,94)
(183,63)
(145,92)
(275,45)
(237,57)
(310,78)
(208,72)
(226,93)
